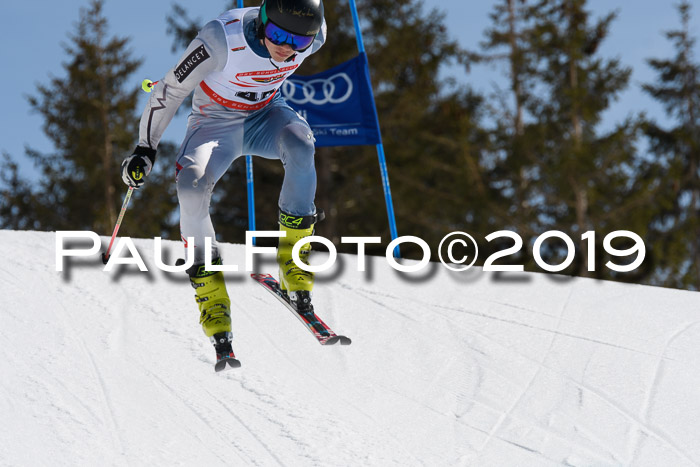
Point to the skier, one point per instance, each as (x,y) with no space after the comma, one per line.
(236,66)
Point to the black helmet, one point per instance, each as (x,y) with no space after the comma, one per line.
(303,17)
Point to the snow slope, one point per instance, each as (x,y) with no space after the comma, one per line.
(445,368)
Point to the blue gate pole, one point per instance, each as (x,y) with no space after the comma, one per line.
(380,146)
(249,180)
(251,194)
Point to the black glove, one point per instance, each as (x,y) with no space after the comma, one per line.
(137,166)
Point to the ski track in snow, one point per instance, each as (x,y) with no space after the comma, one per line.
(525,390)
(106,404)
(442,371)
(651,392)
(436,309)
(325,387)
(503,415)
(190,405)
(640,424)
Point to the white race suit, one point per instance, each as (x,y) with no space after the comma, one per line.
(237,108)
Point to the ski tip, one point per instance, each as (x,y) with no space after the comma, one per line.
(226,363)
(260,277)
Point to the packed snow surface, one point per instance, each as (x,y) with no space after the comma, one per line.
(445,368)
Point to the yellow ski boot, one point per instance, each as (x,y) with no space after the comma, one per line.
(294,281)
(212,299)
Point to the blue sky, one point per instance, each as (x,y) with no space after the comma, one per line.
(32,51)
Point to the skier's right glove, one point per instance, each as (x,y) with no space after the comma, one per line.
(137,166)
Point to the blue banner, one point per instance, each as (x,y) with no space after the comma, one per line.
(337,103)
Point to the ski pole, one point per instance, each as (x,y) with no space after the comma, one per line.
(105,255)
(147,86)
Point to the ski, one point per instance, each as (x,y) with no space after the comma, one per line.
(313,323)
(225,358)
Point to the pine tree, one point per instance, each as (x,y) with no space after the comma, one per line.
(90,116)
(512,155)
(569,175)
(431,127)
(17,202)
(677,225)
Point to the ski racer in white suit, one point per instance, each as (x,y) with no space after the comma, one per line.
(236,66)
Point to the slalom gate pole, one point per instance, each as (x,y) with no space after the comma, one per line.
(105,255)
(380,146)
(251,194)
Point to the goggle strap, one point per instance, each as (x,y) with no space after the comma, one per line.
(263,14)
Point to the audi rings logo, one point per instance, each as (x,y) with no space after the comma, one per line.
(332,90)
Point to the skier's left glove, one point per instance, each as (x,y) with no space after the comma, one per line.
(136,167)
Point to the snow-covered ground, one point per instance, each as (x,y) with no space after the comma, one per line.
(112,368)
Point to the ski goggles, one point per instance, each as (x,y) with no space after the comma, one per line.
(279,36)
